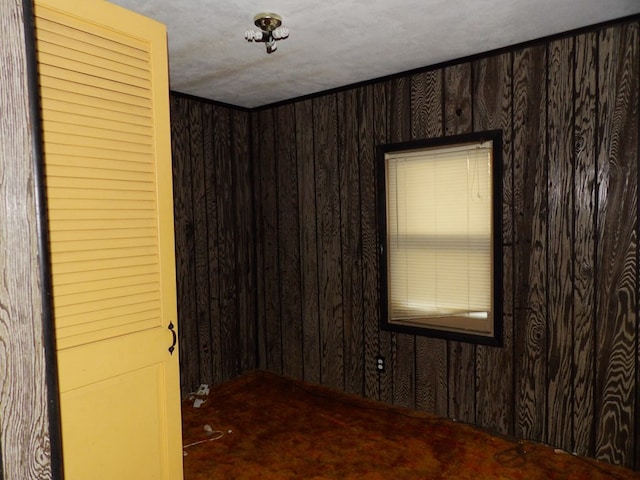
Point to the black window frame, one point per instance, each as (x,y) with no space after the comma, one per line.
(496,339)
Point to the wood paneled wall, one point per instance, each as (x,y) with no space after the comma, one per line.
(29,446)
(215,244)
(568,373)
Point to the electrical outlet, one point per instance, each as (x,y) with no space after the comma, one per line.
(203,389)
(380,364)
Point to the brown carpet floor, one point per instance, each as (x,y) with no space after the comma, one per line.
(262,426)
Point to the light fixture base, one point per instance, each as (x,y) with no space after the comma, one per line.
(267,22)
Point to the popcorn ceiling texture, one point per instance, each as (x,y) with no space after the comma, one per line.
(333,44)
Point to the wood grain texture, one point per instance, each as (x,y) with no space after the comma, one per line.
(185,258)
(560,150)
(569,265)
(530,238)
(289,242)
(432,385)
(308,240)
(403,360)
(331,310)
(399,109)
(242,176)
(269,236)
(492,109)
(426,104)
(584,257)
(214,246)
(431,353)
(458,114)
(458,117)
(226,293)
(261,340)
(369,241)
(351,234)
(616,288)
(212,240)
(25,450)
(200,241)
(384,342)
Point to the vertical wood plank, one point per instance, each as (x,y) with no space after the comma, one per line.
(212,240)
(350,220)
(308,240)
(289,242)
(458,116)
(560,244)
(384,344)
(492,109)
(256,146)
(329,248)
(244,217)
(25,442)
(431,353)
(218,242)
(184,232)
(426,104)
(200,242)
(403,363)
(370,296)
(530,237)
(584,260)
(227,295)
(269,231)
(617,244)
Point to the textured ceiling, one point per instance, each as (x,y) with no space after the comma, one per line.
(337,43)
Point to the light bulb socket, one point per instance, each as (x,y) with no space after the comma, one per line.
(267,22)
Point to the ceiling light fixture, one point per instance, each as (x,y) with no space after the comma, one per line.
(270,30)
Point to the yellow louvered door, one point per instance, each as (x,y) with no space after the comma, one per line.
(104,92)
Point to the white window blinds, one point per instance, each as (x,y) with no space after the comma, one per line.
(439,235)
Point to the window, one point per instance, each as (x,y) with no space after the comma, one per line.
(440,214)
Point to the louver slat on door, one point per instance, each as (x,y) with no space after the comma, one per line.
(101,180)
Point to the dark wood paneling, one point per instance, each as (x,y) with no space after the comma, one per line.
(289,242)
(458,114)
(242,182)
(616,284)
(268,233)
(384,340)
(568,371)
(560,243)
(370,294)
(212,239)
(308,240)
(458,117)
(492,109)
(530,241)
(426,104)
(200,239)
(227,288)
(403,345)
(431,353)
(327,180)
(584,242)
(255,136)
(215,245)
(185,258)
(351,234)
